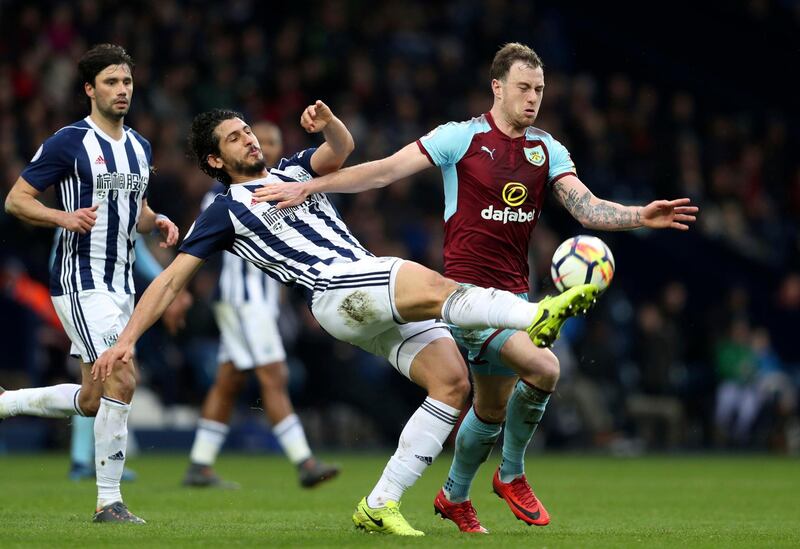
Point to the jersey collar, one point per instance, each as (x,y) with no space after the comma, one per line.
(105,136)
(493,125)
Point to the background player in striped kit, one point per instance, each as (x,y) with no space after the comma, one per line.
(246,314)
(480,159)
(385,305)
(101,170)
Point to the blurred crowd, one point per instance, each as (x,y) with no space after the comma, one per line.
(692,347)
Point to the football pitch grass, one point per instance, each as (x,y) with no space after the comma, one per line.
(594,502)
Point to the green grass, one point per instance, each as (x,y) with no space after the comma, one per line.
(594,502)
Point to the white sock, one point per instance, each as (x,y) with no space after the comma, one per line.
(54,401)
(420,442)
(292,438)
(208,441)
(474,307)
(110,441)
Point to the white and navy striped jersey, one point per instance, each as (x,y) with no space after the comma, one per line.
(290,244)
(89,167)
(240,281)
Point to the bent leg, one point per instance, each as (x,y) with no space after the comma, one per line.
(538,370)
(54,401)
(478,433)
(439,369)
(422,294)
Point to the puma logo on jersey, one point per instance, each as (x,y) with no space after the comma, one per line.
(490,153)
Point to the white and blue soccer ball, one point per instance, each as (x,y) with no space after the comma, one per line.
(582,259)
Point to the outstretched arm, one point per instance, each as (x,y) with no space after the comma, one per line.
(595,213)
(370,175)
(338,145)
(155,300)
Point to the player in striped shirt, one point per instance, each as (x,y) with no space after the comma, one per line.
(246,312)
(385,305)
(497,169)
(101,170)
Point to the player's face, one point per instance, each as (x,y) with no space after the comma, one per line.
(112,91)
(269,137)
(239,150)
(521,94)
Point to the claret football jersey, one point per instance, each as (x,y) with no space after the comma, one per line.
(494,188)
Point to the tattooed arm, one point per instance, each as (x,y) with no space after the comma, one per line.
(595,213)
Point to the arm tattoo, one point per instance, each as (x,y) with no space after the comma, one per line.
(601,214)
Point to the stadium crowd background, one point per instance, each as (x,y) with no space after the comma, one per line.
(694,346)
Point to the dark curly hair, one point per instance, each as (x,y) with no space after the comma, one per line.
(203,141)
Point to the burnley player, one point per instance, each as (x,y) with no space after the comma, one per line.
(497,168)
(384,305)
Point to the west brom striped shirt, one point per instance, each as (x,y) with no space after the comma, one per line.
(290,244)
(89,167)
(240,281)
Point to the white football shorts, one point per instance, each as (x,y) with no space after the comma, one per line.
(93,320)
(355,303)
(249,335)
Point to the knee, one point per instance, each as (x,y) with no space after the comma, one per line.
(490,413)
(543,372)
(89,404)
(433,294)
(231,383)
(125,382)
(452,389)
(551,369)
(274,377)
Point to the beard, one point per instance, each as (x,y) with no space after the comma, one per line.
(253,168)
(111,113)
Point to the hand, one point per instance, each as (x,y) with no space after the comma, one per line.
(285,194)
(668,214)
(168,230)
(316,117)
(105,363)
(174,317)
(81,221)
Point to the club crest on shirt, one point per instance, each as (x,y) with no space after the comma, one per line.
(535,155)
(110,338)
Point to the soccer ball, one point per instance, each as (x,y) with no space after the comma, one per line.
(582,259)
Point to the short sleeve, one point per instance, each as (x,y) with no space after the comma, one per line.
(210,233)
(447,144)
(560,161)
(302,159)
(51,162)
(211,195)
